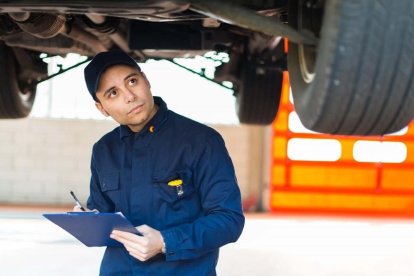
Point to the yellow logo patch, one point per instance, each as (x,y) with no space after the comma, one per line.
(175,183)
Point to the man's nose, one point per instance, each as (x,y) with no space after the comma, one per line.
(129,96)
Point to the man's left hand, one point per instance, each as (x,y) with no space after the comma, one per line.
(141,247)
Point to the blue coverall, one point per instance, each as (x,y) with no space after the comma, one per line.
(130,174)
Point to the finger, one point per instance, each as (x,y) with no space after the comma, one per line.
(126,235)
(139,252)
(136,256)
(130,245)
(76,208)
(141,257)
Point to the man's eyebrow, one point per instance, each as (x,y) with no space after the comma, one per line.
(127,77)
(131,75)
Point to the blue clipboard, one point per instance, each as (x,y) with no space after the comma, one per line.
(92,228)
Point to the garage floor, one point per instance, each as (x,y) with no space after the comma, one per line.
(269,245)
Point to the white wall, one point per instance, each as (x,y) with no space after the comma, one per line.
(42,159)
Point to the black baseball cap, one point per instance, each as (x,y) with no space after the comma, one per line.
(100,63)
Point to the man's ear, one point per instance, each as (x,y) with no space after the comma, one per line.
(101,109)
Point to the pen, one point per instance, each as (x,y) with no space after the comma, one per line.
(77,201)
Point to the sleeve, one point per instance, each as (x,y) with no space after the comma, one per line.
(223,218)
(97,199)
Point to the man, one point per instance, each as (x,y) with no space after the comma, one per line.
(170,176)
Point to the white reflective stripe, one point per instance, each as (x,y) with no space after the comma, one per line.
(376,151)
(314,149)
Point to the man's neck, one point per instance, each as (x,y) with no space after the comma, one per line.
(152,114)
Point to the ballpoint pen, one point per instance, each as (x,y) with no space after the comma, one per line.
(77,201)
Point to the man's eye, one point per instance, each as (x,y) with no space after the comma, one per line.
(112,93)
(133,81)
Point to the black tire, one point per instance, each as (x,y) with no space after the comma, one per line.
(363,81)
(16,99)
(257,100)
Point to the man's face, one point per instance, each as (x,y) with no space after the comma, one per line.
(124,94)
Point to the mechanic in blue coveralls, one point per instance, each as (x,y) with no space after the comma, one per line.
(170,176)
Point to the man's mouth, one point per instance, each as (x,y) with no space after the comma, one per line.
(136,109)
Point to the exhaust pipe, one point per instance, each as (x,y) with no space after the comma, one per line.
(50,25)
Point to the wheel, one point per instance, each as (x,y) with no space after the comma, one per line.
(257,100)
(359,79)
(16,97)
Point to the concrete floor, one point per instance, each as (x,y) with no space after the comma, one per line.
(269,245)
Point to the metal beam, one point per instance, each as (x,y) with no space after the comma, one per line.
(240,16)
(199,74)
(61,71)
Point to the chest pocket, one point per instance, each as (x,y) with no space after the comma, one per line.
(175,187)
(109,183)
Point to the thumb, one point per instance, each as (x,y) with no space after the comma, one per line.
(144,229)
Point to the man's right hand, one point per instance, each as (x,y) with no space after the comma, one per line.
(76,208)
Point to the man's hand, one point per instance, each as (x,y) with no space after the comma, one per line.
(76,208)
(141,247)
